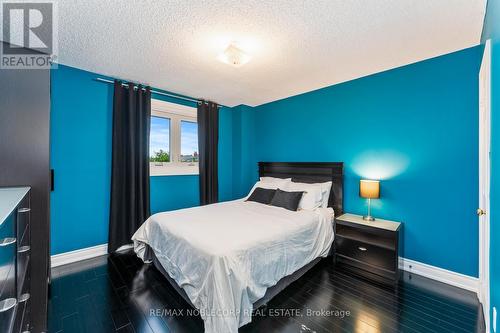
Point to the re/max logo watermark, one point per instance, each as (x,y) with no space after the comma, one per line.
(29,31)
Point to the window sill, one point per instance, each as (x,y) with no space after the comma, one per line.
(181,170)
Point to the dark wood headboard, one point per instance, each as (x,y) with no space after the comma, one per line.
(311,172)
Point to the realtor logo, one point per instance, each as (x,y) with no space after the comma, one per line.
(29,33)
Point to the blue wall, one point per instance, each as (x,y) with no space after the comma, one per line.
(81,123)
(492,30)
(414,127)
(244,155)
(80,144)
(174,192)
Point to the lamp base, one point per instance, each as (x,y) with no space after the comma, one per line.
(368,218)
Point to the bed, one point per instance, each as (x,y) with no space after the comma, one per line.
(229,258)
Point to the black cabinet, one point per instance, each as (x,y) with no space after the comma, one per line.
(24,160)
(368,248)
(15,251)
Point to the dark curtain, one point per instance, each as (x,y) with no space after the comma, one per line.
(130,163)
(208,139)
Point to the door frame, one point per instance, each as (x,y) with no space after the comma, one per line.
(484,181)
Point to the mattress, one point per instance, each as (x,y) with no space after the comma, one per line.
(226,255)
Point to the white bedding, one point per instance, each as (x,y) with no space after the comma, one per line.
(226,255)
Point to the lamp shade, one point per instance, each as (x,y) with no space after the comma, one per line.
(369,189)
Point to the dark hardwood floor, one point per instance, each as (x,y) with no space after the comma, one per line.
(121,294)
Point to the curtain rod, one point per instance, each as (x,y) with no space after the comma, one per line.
(153,91)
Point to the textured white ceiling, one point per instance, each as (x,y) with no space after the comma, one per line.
(297,46)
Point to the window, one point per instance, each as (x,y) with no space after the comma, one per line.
(189,141)
(173,144)
(159,140)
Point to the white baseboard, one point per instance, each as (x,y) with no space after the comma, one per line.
(439,274)
(82,254)
(77,255)
(428,271)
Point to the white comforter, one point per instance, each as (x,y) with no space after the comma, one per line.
(226,255)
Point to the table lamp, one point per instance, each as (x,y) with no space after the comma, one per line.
(369,189)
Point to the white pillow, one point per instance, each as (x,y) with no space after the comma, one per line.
(273,185)
(327,187)
(313,196)
(274,179)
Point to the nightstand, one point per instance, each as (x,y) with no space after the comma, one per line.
(368,248)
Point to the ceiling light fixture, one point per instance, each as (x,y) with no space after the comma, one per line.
(234,56)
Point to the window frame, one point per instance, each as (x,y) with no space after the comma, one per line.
(176,113)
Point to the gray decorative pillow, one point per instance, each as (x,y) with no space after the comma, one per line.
(287,200)
(262,195)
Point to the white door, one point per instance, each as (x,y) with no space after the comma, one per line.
(484,183)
